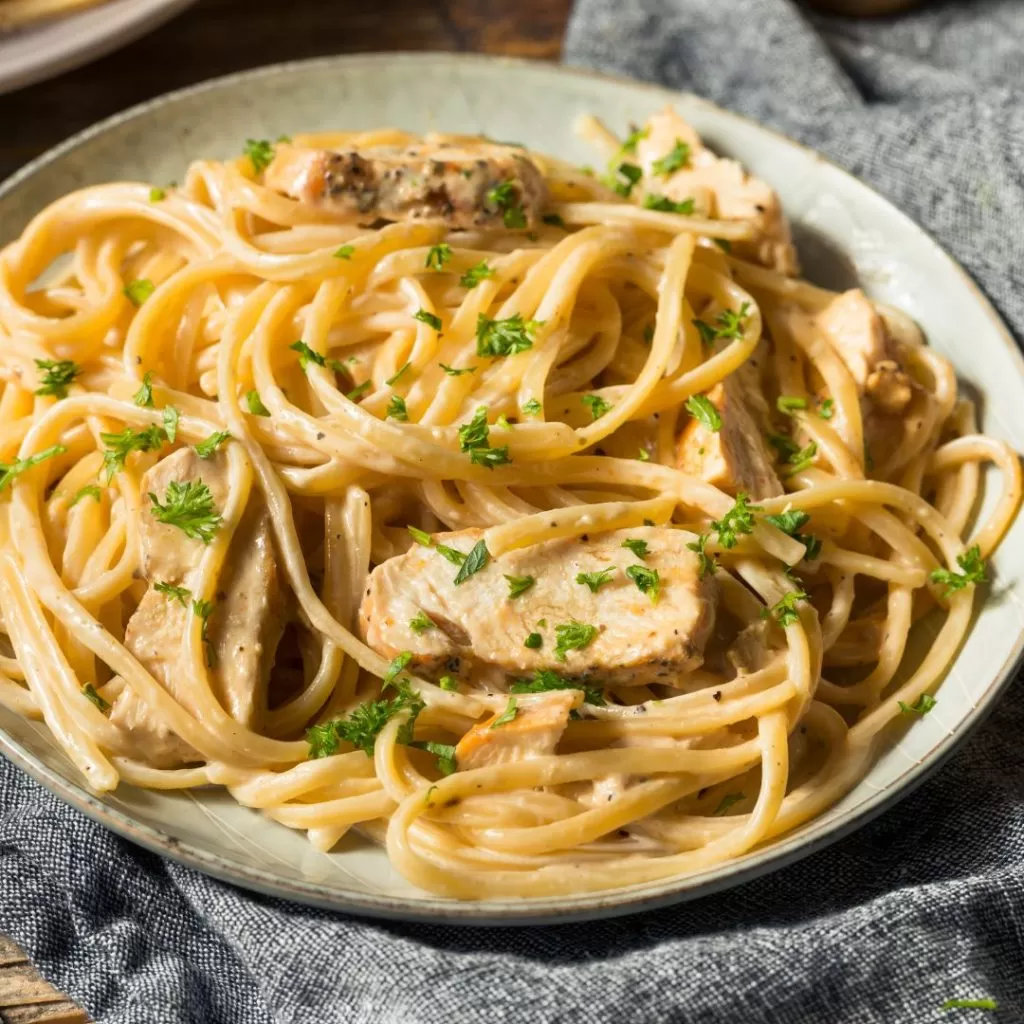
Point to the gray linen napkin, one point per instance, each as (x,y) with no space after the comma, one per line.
(924,904)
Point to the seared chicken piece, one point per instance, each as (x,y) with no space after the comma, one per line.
(536,725)
(734,193)
(243,630)
(734,458)
(489,186)
(479,632)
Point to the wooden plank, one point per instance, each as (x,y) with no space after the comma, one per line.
(20,985)
(53,1013)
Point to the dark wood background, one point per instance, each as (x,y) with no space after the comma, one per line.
(215,38)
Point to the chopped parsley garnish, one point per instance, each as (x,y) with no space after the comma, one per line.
(507,337)
(359,390)
(597,405)
(801,459)
(787,404)
(534,642)
(397,409)
(180,594)
(120,446)
(206,449)
(475,561)
(504,197)
(396,667)
(826,409)
(544,680)
(89,491)
(662,204)
(89,692)
(701,408)
(510,712)
(784,610)
(724,244)
(518,585)
(430,319)
(970,1004)
(532,408)
(138,291)
(725,803)
(255,403)
(308,355)
(398,374)
(647,581)
(144,396)
(678,156)
(502,422)
(472,277)
(453,372)
(449,684)
(648,334)
(555,220)
(490,457)
(622,178)
(56,377)
(476,432)
(973,572)
(364,724)
(643,455)
(921,706)
(438,256)
(739,519)
(260,153)
(629,146)
(157,194)
(790,523)
(573,636)
(596,580)
(203,610)
(171,416)
(728,324)
(344,253)
(453,555)
(444,752)
(421,536)
(705,563)
(421,622)
(188,506)
(637,546)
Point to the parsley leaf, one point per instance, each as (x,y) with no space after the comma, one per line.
(396,667)
(555,220)
(643,455)
(597,405)
(622,178)
(532,408)
(678,156)
(453,372)
(705,563)
(490,457)
(448,684)
(120,446)
(438,256)
(662,204)
(573,636)
(421,622)
(359,390)
(647,581)
(260,153)
(453,555)
(206,449)
(56,376)
(255,403)
(430,319)
(444,752)
(973,572)
(596,580)
(144,396)
(188,506)
(790,523)
(397,376)
(308,355)
(138,291)
(637,546)
(476,432)
(725,803)
(180,594)
(472,277)
(504,197)
(507,337)
(362,727)
(89,692)
(826,409)
(739,519)
(510,712)
(157,194)
(784,610)
(397,409)
(344,253)
(921,706)
(421,536)
(534,642)
(171,417)
(787,404)
(629,146)
(89,491)
(702,409)
(728,324)
(544,680)
(475,561)
(519,585)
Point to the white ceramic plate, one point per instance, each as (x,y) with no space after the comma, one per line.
(51,47)
(844,229)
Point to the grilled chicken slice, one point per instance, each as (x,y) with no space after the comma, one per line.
(531,727)
(479,632)
(243,630)
(735,195)
(734,458)
(489,186)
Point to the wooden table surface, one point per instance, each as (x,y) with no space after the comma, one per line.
(215,38)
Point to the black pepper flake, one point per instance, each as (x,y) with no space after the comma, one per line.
(717,695)
(320,435)
(584,536)
(701,793)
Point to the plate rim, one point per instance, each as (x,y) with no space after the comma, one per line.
(550,910)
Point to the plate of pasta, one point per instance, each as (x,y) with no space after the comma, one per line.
(430,505)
